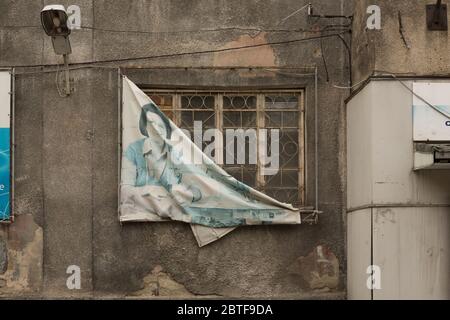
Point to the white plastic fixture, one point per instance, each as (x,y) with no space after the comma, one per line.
(54,21)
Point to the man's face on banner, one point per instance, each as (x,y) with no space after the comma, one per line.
(155,125)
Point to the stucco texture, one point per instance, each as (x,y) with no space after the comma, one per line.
(66,152)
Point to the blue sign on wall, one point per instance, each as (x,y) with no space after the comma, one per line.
(5,143)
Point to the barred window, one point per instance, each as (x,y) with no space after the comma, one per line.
(268,110)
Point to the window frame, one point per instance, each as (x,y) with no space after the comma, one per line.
(260,121)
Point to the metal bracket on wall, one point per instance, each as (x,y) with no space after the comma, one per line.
(437,16)
(310,217)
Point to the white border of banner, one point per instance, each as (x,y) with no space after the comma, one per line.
(119,141)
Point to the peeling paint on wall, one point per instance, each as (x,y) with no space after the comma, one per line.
(158,283)
(24,257)
(320,269)
(260,56)
(3,257)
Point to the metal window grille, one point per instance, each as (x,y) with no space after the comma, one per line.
(283,110)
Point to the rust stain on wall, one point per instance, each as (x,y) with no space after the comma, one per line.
(320,269)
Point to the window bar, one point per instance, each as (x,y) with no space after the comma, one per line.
(301,149)
(260,120)
(218,106)
(176,109)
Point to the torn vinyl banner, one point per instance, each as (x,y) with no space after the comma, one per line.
(166,177)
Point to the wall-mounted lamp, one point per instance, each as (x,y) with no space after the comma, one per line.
(54,21)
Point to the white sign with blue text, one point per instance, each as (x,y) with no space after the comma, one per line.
(431,111)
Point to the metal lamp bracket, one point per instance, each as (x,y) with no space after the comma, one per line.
(437,16)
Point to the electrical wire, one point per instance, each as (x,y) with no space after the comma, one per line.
(324,60)
(61,95)
(418,96)
(293,13)
(327,16)
(350,87)
(347,48)
(244,29)
(302,75)
(268,68)
(223,29)
(291,74)
(172,55)
(70,69)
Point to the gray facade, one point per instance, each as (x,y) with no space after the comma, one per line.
(67,149)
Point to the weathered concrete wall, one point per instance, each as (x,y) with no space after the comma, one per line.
(425,52)
(66,153)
